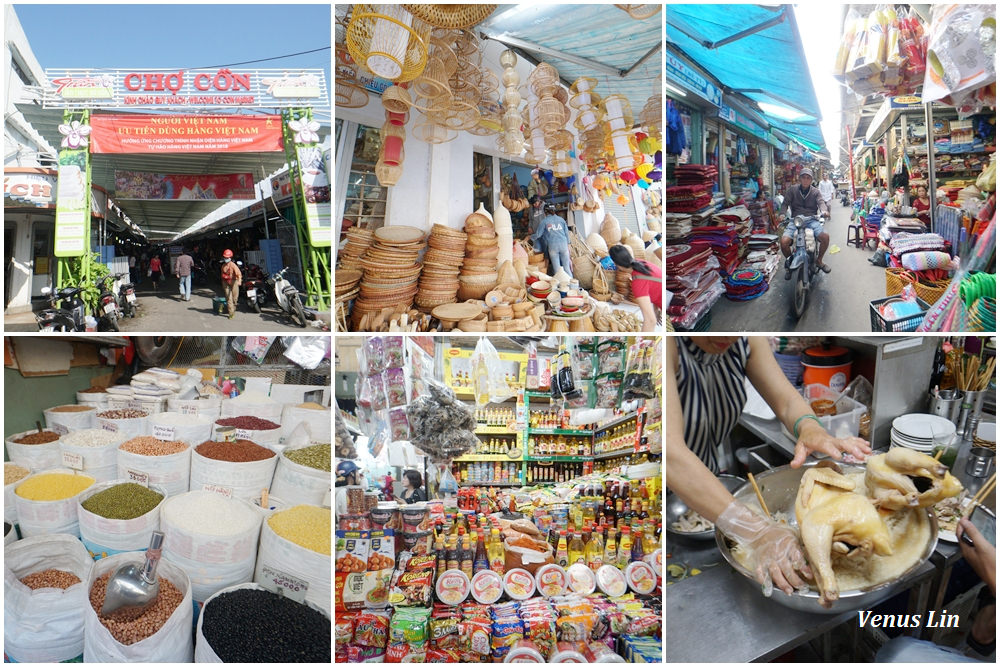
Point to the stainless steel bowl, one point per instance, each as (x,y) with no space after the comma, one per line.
(675,509)
(779,487)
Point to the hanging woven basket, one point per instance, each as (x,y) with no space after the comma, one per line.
(388,41)
(640,12)
(454,17)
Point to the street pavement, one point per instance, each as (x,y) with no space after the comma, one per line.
(838,301)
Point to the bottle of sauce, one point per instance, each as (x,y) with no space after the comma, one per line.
(562,551)
(467,557)
(594,551)
(610,552)
(624,549)
(481,561)
(454,560)
(495,552)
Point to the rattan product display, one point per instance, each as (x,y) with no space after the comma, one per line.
(348,93)
(388,41)
(391,272)
(358,241)
(651,116)
(451,16)
(511,140)
(640,12)
(442,261)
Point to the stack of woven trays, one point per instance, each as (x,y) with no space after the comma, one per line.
(442,262)
(358,241)
(479,270)
(391,271)
(623,283)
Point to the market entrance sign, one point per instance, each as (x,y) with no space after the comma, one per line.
(180,89)
(30,186)
(114,133)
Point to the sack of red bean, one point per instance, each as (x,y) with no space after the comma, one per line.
(162,633)
(303,475)
(35,450)
(248,427)
(126,422)
(44,590)
(148,460)
(65,418)
(240,469)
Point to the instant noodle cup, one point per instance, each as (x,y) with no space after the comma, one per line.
(453,587)
(519,584)
(640,577)
(611,581)
(524,651)
(487,587)
(655,559)
(572,651)
(580,579)
(551,580)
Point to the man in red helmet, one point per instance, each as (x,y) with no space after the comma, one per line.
(232,278)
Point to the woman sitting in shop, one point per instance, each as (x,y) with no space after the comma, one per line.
(413,488)
(705,393)
(647,284)
(922,203)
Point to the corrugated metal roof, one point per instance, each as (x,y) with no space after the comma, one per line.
(601,34)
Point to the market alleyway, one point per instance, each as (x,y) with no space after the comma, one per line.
(163,310)
(838,301)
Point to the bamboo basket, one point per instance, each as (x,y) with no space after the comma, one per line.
(897,278)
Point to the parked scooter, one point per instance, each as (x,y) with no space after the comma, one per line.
(802,266)
(126,295)
(255,286)
(107,306)
(287,297)
(71,317)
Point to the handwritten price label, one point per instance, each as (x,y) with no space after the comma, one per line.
(161,432)
(138,477)
(226,491)
(189,409)
(108,426)
(281,582)
(73,461)
(244,434)
(133,405)
(60,429)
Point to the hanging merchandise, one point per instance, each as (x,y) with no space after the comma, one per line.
(961,56)
(388,41)
(511,140)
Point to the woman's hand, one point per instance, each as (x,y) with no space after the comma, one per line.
(775,555)
(813,438)
(982,555)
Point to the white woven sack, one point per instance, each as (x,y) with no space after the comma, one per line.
(33,457)
(286,557)
(44,517)
(245,480)
(106,537)
(171,471)
(64,422)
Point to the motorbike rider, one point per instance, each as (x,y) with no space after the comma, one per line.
(232,278)
(804,199)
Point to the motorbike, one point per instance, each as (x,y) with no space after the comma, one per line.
(255,284)
(107,306)
(199,274)
(845,198)
(126,294)
(287,297)
(801,265)
(72,317)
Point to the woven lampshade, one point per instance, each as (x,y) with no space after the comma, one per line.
(640,12)
(388,41)
(433,133)
(651,116)
(396,99)
(349,95)
(451,16)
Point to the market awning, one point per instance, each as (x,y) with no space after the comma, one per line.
(599,41)
(161,220)
(755,51)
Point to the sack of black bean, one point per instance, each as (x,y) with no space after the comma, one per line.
(44,590)
(248,624)
(118,516)
(303,475)
(162,633)
(35,450)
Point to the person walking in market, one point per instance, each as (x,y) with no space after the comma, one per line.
(803,199)
(647,284)
(232,278)
(826,192)
(155,270)
(554,231)
(182,269)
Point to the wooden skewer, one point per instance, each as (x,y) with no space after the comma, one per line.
(981,495)
(937,457)
(760,498)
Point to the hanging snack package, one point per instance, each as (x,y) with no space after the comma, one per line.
(960,51)
(374,356)
(398,424)
(609,354)
(853,24)
(394,381)
(441,425)
(395,356)
(608,388)
(488,385)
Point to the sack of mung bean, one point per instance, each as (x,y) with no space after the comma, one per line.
(208,406)
(93,451)
(295,554)
(126,422)
(252,403)
(12,474)
(65,418)
(314,415)
(166,463)
(191,429)
(46,502)
(42,621)
(34,450)
(161,634)
(212,538)
(241,469)
(118,516)
(246,623)
(303,475)
(262,431)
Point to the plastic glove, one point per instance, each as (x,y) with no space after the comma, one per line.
(775,556)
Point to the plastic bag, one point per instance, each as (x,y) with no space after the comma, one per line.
(306,351)
(441,425)
(960,50)
(488,384)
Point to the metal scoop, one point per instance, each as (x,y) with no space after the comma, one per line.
(132,588)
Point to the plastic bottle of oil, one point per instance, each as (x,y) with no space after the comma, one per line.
(594,551)
(576,550)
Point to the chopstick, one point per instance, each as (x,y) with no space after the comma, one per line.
(760,498)
(981,495)
(937,457)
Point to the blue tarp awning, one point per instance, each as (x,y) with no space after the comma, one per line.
(754,51)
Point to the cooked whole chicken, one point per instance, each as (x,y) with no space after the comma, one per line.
(905,478)
(834,519)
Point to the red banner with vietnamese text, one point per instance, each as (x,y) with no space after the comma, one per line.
(114,133)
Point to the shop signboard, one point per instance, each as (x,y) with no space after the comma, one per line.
(313,162)
(34,187)
(148,185)
(141,133)
(72,202)
(178,89)
(905,102)
(679,72)
(741,121)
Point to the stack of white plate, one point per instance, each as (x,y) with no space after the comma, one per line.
(918,431)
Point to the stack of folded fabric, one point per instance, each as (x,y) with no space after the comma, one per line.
(692,276)
(676,225)
(760,212)
(905,242)
(686,198)
(722,239)
(696,174)
(745,284)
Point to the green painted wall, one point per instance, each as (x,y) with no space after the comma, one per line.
(25,398)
